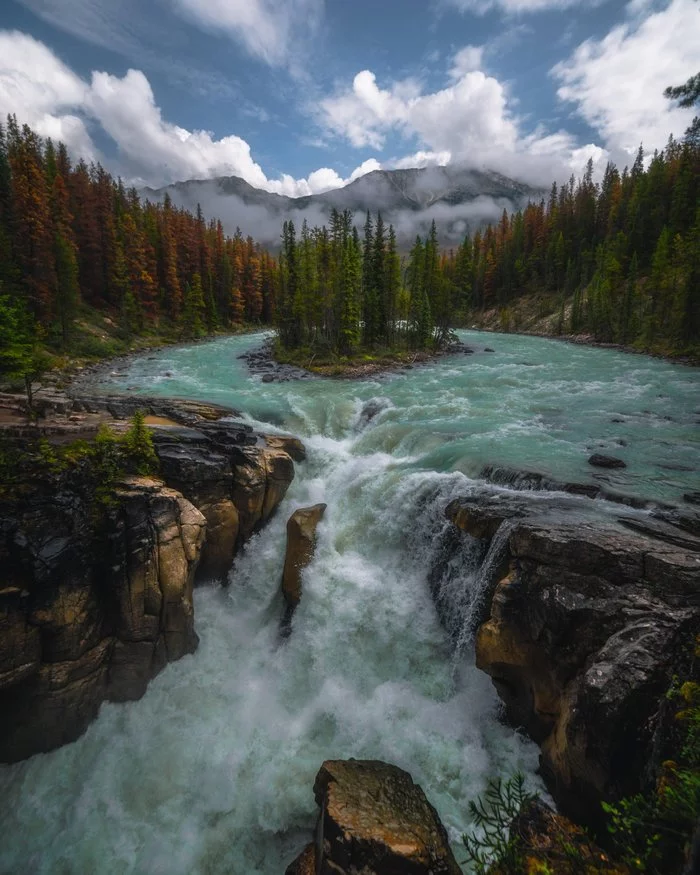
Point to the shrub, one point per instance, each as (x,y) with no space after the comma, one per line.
(138,446)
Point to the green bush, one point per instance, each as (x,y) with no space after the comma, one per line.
(138,447)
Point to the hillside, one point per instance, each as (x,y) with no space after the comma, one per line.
(457,197)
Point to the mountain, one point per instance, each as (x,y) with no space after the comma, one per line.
(457,197)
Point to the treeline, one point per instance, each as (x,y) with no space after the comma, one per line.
(621,257)
(341,292)
(72,235)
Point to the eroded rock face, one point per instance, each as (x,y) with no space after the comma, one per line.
(84,619)
(376,821)
(301,543)
(585,633)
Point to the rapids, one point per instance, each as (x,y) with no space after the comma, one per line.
(212,771)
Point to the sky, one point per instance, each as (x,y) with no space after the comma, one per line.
(302,96)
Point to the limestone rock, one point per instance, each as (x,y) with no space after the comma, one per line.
(301,542)
(291,445)
(261,479)
(376,821)
(82,620)
(584,637)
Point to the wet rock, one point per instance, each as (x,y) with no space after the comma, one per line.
(291,445)
(89,616)
(261,478)
(305,863)
(585,634)
(268,378)
(692,497)
(375,820)
(488,349)
(301,543)
(598,460)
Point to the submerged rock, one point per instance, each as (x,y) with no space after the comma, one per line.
(376,821)
(598,460)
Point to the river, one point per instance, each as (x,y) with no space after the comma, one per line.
(212,771)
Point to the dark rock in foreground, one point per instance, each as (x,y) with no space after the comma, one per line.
(376,821)
(586,630)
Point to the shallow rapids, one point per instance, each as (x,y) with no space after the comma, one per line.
(212,771)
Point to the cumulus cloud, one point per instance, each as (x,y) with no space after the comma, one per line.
(42,91)
(270,30)
(468,114)
(469,121)
(617,82)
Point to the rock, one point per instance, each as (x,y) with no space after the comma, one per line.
(222,539)
(376,821)
(598,460)
(585,634)
(305,863)
(549,842)
(261,477)
(268,378)
(291,445)
(692,497)
(488,349)
(301,543)
(81,623)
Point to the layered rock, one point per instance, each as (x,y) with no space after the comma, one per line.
(95,600)
(301,543)
(585,633)
(374,820)
(83,620)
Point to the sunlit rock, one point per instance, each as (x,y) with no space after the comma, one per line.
(374,820)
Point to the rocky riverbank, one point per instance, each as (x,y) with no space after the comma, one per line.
(96,598)
(584,625)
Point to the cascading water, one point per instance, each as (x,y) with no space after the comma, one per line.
(212,771)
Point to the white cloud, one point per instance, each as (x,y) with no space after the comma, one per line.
(470,114)
(270,30)
(617,82)
(465,60)
(515,7)
(43,92)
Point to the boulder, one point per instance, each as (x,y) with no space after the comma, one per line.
(598,460)
(261,478)
(301,543)
(376,821)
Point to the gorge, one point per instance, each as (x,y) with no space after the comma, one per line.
(211,771)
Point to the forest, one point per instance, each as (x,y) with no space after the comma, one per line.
(619,261)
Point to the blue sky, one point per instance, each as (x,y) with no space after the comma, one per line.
(299,96)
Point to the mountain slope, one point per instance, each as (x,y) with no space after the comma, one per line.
(457,198)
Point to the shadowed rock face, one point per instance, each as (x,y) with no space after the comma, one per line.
(374,820)
(79,625)
(92,612)
(585,633)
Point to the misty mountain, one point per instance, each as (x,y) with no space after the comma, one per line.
(456,197)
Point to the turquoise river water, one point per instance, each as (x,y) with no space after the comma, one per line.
(212,771)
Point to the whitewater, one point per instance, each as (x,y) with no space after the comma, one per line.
(212,771)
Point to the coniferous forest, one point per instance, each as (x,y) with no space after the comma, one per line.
(619,261)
